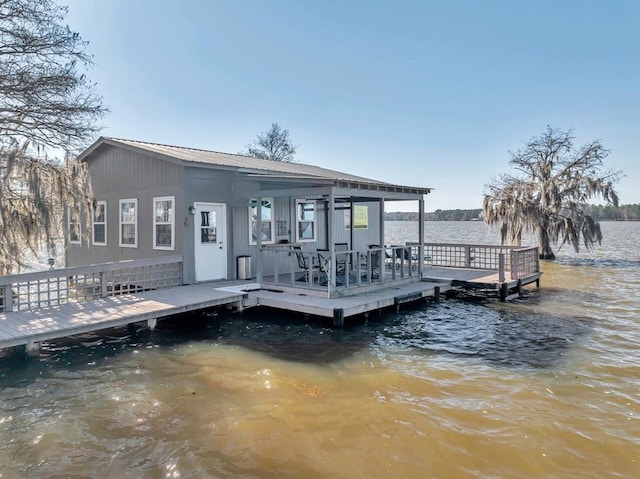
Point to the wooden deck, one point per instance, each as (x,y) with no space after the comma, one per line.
(340,308)
(487,280)
(31,327)
(36,307)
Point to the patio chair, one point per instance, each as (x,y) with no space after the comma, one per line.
(402,256)
(342,257)
(311,271)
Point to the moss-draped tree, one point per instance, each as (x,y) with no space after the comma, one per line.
(548,195)
(48,111)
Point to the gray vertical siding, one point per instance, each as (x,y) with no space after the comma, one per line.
(116,174)
(119,173)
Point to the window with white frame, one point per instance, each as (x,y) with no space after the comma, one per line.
(99,230)
(73,224)
(163,222)
(267,228)
(305,220)
(128,237)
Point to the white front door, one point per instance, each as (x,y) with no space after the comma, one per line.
(210,241)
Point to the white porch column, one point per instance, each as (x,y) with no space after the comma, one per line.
(332,242)
(382,222)
(421,235)
(259,259)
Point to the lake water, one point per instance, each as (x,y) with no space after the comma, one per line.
(546,386)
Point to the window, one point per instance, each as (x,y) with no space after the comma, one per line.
(129,223)
(163,222)
(305,220)
(73,224)
(100,224)
(267,227)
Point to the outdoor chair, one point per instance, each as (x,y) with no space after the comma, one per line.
(402,256)
(307,265)
(342,257)
(374,255)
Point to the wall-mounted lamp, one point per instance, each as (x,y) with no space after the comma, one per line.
(192,210)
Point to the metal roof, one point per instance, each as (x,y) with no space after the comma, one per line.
(251,165)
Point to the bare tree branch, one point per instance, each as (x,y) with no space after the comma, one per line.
(272,145)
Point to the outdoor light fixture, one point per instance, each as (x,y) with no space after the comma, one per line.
(192,210)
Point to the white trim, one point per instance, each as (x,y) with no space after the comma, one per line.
(121,223)
(171,222)
(300,220)
(70,222)
(250,217)
(94,223)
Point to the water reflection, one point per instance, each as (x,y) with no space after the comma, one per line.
(503,336)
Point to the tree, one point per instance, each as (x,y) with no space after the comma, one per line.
(47,107)
(274,144)
(548,195)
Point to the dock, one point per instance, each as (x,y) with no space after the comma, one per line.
(29,328)
(47,305)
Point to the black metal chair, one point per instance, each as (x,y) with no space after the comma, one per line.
(342,257)
(308,269)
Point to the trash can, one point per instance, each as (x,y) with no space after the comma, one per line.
(243,265)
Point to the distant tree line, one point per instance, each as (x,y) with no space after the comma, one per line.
(597,212)
(437,215)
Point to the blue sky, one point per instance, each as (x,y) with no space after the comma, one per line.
(420,93)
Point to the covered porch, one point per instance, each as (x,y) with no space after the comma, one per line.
(335,243)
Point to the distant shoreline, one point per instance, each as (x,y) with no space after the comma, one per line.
(629,212)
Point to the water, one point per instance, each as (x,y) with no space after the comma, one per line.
(547,386)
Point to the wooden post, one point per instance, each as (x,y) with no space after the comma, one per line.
(338,318)
(504,291)
(8,298)
(32,348)
(436,294)
(501,262)
(467,256)
(103,284)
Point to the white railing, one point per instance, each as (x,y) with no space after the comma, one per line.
(525,262)
(312,268)
(519,261)
(20,292)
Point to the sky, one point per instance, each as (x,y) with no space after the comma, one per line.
(419,93)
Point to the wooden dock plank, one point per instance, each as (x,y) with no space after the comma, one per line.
(351,305)
(18,328)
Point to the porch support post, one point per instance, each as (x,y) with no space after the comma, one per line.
(259,253)
(381,264)
(332,242)
(351,224)
(420,235)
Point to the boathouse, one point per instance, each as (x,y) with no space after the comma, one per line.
(179,229)
(230,216)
